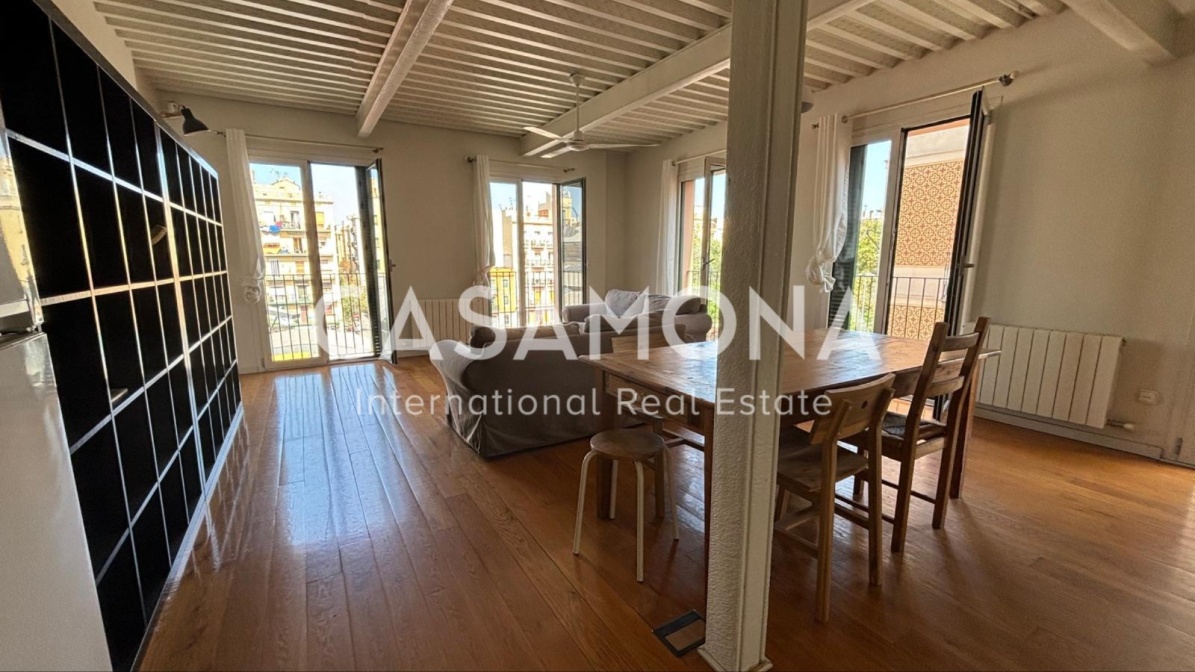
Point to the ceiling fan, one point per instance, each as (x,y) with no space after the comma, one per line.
(574,141)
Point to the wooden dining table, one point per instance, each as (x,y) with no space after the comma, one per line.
(688,376)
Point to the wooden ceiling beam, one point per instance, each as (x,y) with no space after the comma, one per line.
(577,18)
(495,21)
(720,7)
(215,64)
(637,14)
(219,54)
(136,29)
(1044,7)
(691,16)
(687,66)
(901,28)
(219,14)
(552,75)
(992,11)
(871,39)
(852,51)
(412,32)
(450,35)
(262,33)
(935,16)
(1148,28)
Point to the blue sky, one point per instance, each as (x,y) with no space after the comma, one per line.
(875,176)
(337,182)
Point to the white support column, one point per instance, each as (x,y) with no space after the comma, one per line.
(767,56)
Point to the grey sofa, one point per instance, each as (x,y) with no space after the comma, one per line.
(472,383)
(684,311)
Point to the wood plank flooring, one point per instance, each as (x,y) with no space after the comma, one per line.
(346,540)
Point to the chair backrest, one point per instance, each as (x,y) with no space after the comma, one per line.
(853,411)
(654,338)
(948,372)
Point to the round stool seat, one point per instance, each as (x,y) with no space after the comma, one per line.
(627,444)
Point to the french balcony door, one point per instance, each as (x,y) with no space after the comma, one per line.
(912,208)
(322,231)
(540,250)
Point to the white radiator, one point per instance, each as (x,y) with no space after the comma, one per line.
(444,317)
(1061,375)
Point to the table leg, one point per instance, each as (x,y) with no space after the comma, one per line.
(964,435)
(605,468)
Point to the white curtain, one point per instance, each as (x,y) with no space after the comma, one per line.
(829,199)
(666,267)
(242,213)
(483,220)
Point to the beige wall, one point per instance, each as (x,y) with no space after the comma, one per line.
(428,192)
(1088,222)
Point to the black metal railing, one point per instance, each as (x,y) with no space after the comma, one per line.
(914,304)
(297,333)
(540,295)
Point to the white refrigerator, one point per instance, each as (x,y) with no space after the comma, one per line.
(49,610)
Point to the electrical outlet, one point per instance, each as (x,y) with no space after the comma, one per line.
(1149,397)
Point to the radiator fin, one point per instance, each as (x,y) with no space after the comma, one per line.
(444,318)
(1066,376)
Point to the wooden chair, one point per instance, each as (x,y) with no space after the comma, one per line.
(812,463)
(947,374)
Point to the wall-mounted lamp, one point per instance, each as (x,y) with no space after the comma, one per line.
(191,125)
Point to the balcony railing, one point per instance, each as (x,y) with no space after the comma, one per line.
(914,305)
(292,318)
(540,292)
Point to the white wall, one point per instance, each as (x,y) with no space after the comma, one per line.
(1088,224)
(428,192)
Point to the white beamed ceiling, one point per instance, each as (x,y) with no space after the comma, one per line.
(496,66)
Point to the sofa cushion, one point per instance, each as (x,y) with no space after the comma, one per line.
(483,336)
(619,301)
(602,323)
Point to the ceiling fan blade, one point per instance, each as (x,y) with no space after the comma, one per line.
(563,150)
(540,131)
(601,146)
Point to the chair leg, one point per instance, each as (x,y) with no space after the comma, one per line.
(613,486)
(667,464)
(945,476)
(660,473)
(825,541)
(581,502)
(875,525)
(904,495)
(639,523)
(857,488)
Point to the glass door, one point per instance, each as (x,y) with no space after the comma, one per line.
(933,160)
(537,228)
(290,239)
(379,264)
(910,228)
(573,279)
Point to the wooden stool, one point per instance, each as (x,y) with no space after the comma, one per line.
(639,447)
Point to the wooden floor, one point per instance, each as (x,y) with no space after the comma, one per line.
(340,540)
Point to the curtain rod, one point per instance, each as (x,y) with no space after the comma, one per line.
(718,152)
(472,159)
(375,150)
(1004,80)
